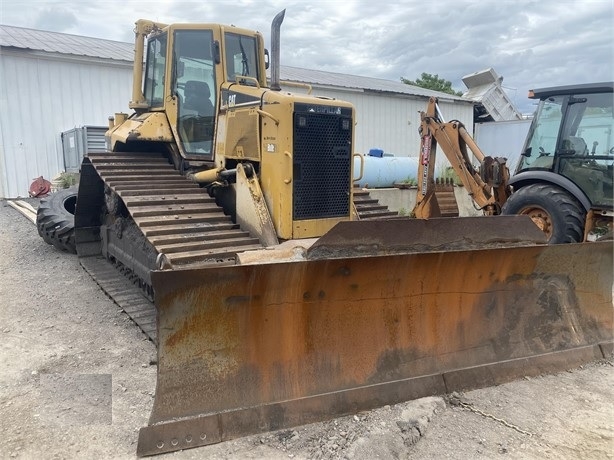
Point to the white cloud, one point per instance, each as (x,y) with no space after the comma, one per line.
(531,43)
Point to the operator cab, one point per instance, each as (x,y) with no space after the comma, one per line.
(572,135)
(198,65)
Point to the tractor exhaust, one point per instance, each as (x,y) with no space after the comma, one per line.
(275,46)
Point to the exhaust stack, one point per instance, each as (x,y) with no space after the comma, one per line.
(275,40)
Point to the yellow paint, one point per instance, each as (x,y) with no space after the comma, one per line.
(152,126)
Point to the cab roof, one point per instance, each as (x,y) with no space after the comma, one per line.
(542,93)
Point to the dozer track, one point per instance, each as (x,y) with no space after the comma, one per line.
(180,225)
(176,216)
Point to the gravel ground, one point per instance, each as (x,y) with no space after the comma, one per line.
(78,380)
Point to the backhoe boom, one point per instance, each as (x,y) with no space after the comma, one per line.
(488,185)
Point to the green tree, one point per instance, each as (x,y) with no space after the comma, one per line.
(430,81)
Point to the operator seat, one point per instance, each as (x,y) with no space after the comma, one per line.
(197,97)
(573,145)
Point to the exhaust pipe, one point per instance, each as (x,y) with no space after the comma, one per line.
(275,40)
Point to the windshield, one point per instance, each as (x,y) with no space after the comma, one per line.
(543,134)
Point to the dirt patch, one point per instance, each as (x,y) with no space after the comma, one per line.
(78,381)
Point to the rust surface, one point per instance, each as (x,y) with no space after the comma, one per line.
(352,239)
(235,339)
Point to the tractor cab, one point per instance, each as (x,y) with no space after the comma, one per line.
(572,136)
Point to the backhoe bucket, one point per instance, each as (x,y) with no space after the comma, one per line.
(388,318)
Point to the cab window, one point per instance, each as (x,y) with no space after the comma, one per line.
(194,87)
(153,88)
(586,152)
(241,56)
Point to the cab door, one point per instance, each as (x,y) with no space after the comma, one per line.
(194,89)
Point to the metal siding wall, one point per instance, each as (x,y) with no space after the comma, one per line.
(391,122)
(454,111)
(382,121)
(43,97)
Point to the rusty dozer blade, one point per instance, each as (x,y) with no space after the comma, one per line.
(253,348)
(383,237)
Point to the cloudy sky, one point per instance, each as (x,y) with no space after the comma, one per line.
(530,43)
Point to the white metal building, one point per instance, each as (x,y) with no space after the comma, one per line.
(52,82)
(387,112)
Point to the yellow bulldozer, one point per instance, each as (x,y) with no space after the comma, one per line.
(223,220)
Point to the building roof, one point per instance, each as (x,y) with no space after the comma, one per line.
(321,78)
(55,42)
(76,45)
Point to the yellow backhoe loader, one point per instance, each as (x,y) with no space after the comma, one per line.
(222,220)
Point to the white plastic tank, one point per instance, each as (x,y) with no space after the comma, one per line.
(385,171)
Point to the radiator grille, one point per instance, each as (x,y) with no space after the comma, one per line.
(322,162)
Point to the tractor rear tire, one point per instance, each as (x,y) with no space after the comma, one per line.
(55,219)
(558,214)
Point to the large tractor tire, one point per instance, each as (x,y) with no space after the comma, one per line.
(55,219)
(559,215)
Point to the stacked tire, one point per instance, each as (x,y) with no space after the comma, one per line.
(55,219)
